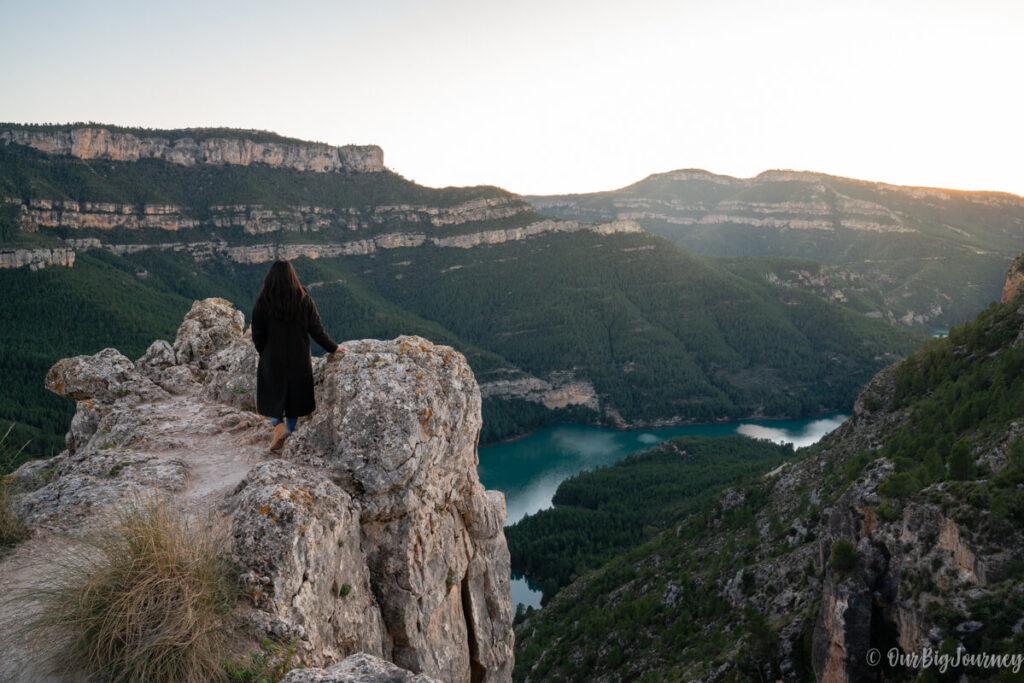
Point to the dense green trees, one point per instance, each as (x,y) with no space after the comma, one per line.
(958,390)
(603,512)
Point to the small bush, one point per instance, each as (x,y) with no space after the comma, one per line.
(144,601)
(844,556)
(961,462)
(270,664)
(900,485)
(12,528)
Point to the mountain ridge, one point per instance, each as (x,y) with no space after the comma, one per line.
(193,146)
(923,257)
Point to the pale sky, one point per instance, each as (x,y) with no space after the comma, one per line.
(544,97)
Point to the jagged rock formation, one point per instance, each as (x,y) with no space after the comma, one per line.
(560,390)
(1014,280)
(361,667)
(37,258)
(371,533)
(90,142)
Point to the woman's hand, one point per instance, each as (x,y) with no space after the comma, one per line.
(340,349)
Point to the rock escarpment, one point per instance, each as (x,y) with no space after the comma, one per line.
(561,389)
(197,147)
(37,258)
(253,219)
(1014,280)
(370,533)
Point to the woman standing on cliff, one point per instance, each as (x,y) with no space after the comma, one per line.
(283,319)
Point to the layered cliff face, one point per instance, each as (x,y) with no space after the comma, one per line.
(37,258)
(263,253)
(253,219)
(359,212)
(370,533)
(89,142)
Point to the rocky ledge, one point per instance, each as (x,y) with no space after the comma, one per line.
(370,533)
(92,142)
(37,258)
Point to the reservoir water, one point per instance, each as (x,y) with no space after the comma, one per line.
(529,470)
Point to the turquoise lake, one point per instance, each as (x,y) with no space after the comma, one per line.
(529,470)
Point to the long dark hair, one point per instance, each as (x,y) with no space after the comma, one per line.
(282,293)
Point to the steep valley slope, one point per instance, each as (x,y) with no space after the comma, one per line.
(901,533)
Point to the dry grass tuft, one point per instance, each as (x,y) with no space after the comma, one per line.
(12,529)
(145,600)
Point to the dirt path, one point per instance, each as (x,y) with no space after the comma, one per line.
(218,444)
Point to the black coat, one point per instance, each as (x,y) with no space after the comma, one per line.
(284,378)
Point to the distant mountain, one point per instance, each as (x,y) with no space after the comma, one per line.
(561,320)
(920,256)
(903,531)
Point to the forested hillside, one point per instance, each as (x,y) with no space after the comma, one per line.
(917,256)
(601,513)
(901,530)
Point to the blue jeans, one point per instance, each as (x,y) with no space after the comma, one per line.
(289,422)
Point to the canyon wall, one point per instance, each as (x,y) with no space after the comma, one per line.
(91,142)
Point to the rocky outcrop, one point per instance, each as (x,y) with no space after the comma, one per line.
(360,668)
(37,258)
(253,219)
(198,147)
(1014,280)
(370,533)
(262,253)
(560,390)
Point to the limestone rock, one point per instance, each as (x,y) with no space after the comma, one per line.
(88,142)
(106,376)
(209,327)
(297,543)
(372,535)
(398,422)
(1014,279)
(561,389)
(37,258)
(359,668)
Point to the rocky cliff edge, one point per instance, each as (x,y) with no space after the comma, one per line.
(204,147)
(370,533)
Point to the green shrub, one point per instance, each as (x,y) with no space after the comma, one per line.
(961,462)
(844,556)
(144,600)
(900,485)
(269,664)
